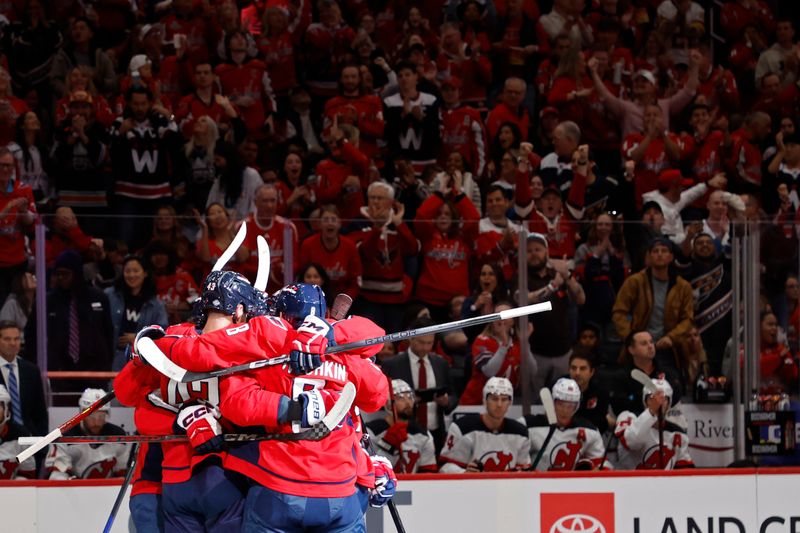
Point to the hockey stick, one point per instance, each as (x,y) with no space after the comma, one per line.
(41,442)
(367,442)
(318,431)
(341,305)
(160,362)
(552,420)
(264,263)
(648,384)
(124,488)
(232,248)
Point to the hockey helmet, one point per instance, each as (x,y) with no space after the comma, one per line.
(498,385)
(567,390)
(662,385)
(298,300)
(223,290)
(90,396)
(5,399)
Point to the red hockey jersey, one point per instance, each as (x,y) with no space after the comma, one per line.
(342,264)
(463,132)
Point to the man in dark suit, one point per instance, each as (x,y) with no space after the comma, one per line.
(21,378)
(425,370)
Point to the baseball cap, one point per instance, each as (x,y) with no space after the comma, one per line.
(548,110)
(652,204)
(537,237)
(671,177)
(646,74)
(137,62)
(551,189)
(451,81)
(660,241)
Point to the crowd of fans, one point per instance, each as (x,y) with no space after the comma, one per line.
(398,152)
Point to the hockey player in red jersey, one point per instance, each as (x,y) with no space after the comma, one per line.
(488,442)
(576,444)
(641,447)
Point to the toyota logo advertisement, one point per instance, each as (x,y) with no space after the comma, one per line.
(578,523)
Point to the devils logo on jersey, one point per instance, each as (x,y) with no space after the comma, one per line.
(495,461)
(100,470)
(651,460)
(7,468)
(564,455)
(410,459)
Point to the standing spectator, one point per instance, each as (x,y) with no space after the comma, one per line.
(571,87)
(423,369)
(385,243)
(11,108)
(717,84)
(601,264)
(266,222)
(488,442)
(196,161)
(510,109)
(276,44)
(784,169)
(744,164)
(17,212)
(458,59)
(673,196)
(737,14)
(780,58)
(81,50)
(550,341)
(342,176)
(66,234)
(718,224)
(412,120)
(657,300)
(144,142)
(355,106)
(495,352)
(645,92)
(23,381)
(216,234)
(79,327)
(174,286)
(497,238)
(326,47)
(187,20)
(33,158)
(18,306)
(247,84)
(514,43)
(703,147)
(556,167)
(337,254)
(398,436)
(462,128)
(777,362)
(134,304)
(565,17)
(80,153)
(205,101)
(447,225)
(455,163)
(235,185)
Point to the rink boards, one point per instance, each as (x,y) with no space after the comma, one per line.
(704,501)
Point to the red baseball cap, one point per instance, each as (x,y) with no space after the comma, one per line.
(451,81)
(671,177)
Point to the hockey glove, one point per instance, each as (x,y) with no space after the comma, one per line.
(396,435)
(310,407)
(309,345)
(151,332)
(201,424)
(385,482)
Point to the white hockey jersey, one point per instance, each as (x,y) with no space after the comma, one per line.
(419,453)
(580,443)
(638,443)
(469,440)
(88,461)
(9,468)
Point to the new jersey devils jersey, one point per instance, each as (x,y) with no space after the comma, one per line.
(9,467)
(638,443)
(88,461)
(419,453)
(578,442)
(469,440)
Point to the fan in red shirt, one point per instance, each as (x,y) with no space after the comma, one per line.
(342,176)
(571,87)
(447,226)
(17,212)
(354,106)
(246,83)
(204,102)
(277,43)
(187,21)
(510,109)
(462,128)
(458,60)
(10,108)
(337,254)
(744,164)
(736,14)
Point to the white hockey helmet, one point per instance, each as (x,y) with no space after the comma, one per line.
(90,396)
(399,387)
(567,390)
(662,385)
(5,399)
(497,385)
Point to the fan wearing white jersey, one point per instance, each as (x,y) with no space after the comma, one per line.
(89,461)
(403,435)
(488,442)
(9,433)
(576,443)
(639,435)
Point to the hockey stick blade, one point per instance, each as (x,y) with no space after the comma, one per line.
(341,305)
(236,243)
(645,380)
(316,432)
(264,264)
(40,442)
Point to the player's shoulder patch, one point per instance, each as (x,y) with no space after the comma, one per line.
(469,423)
(513,427)
(536,421)
(580,422)
(378,426)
